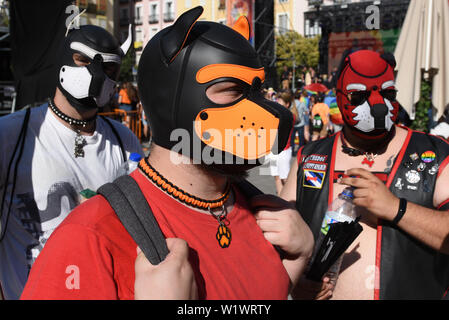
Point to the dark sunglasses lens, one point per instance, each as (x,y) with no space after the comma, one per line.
(358,97)
(389,94)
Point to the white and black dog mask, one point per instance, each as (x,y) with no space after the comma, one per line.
(88,87)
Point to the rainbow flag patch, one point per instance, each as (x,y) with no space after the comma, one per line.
(428,156)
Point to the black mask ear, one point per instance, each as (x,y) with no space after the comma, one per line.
(172,42)
(389,57)
(343,63)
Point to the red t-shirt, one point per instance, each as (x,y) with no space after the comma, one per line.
(91,255)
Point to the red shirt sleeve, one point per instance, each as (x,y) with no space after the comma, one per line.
(74,264)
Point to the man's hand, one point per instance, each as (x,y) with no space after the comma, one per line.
(372,194)
(283,226)
(172,279)
(312,290)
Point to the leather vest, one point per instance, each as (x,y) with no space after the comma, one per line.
(407,268)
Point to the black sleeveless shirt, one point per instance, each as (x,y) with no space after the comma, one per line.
(408,269)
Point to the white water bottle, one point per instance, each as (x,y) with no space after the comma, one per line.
(129,166)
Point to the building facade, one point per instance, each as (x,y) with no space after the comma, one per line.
(289,15)
(147,17)
(214,10)
(98,12)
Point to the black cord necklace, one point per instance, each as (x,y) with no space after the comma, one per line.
(368,159)
(380,148)
(68,119)
(80,142)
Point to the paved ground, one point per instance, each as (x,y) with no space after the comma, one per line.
(260,177)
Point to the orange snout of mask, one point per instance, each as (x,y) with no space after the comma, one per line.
(244,129)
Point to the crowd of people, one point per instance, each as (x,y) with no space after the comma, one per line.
(316,115)
(126,98)
(215,235)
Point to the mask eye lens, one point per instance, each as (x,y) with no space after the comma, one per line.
(80,60)
(358,97)
(226,92)
(111,69)
(389,94)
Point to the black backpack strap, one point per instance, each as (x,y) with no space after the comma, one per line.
(133,210)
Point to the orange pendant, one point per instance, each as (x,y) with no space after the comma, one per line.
(223,235)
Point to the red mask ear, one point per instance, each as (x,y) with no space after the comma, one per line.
(242,27)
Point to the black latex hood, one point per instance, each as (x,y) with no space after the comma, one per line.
(177,66)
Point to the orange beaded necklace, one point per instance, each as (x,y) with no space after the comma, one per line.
(180,194)
(223,235)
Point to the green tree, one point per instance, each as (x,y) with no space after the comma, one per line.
(421,122)
(126,69)
(292,44)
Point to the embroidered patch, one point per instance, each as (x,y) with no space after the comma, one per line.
(421,167)
(414,156)
(434,169)
(399,184)
(316,158)
(412,176)
(315,166)
(313,178)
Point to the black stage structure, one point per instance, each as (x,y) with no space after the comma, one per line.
(264,42)
(348,17)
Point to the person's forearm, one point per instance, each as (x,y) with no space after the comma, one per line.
(295,269)
(426,225)
(306,133)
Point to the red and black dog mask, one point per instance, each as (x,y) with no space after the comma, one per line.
(366,93)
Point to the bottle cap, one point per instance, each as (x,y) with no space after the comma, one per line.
(135,157)
(348,192)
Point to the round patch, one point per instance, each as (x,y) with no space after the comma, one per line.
(412,176)
(428,156)
(421,167)
(433,170)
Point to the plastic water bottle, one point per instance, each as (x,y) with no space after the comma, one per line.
(340,210)
(129,166)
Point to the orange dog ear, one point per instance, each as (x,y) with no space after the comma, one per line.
(242,27)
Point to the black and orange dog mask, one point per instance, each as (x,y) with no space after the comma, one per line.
(175,70)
